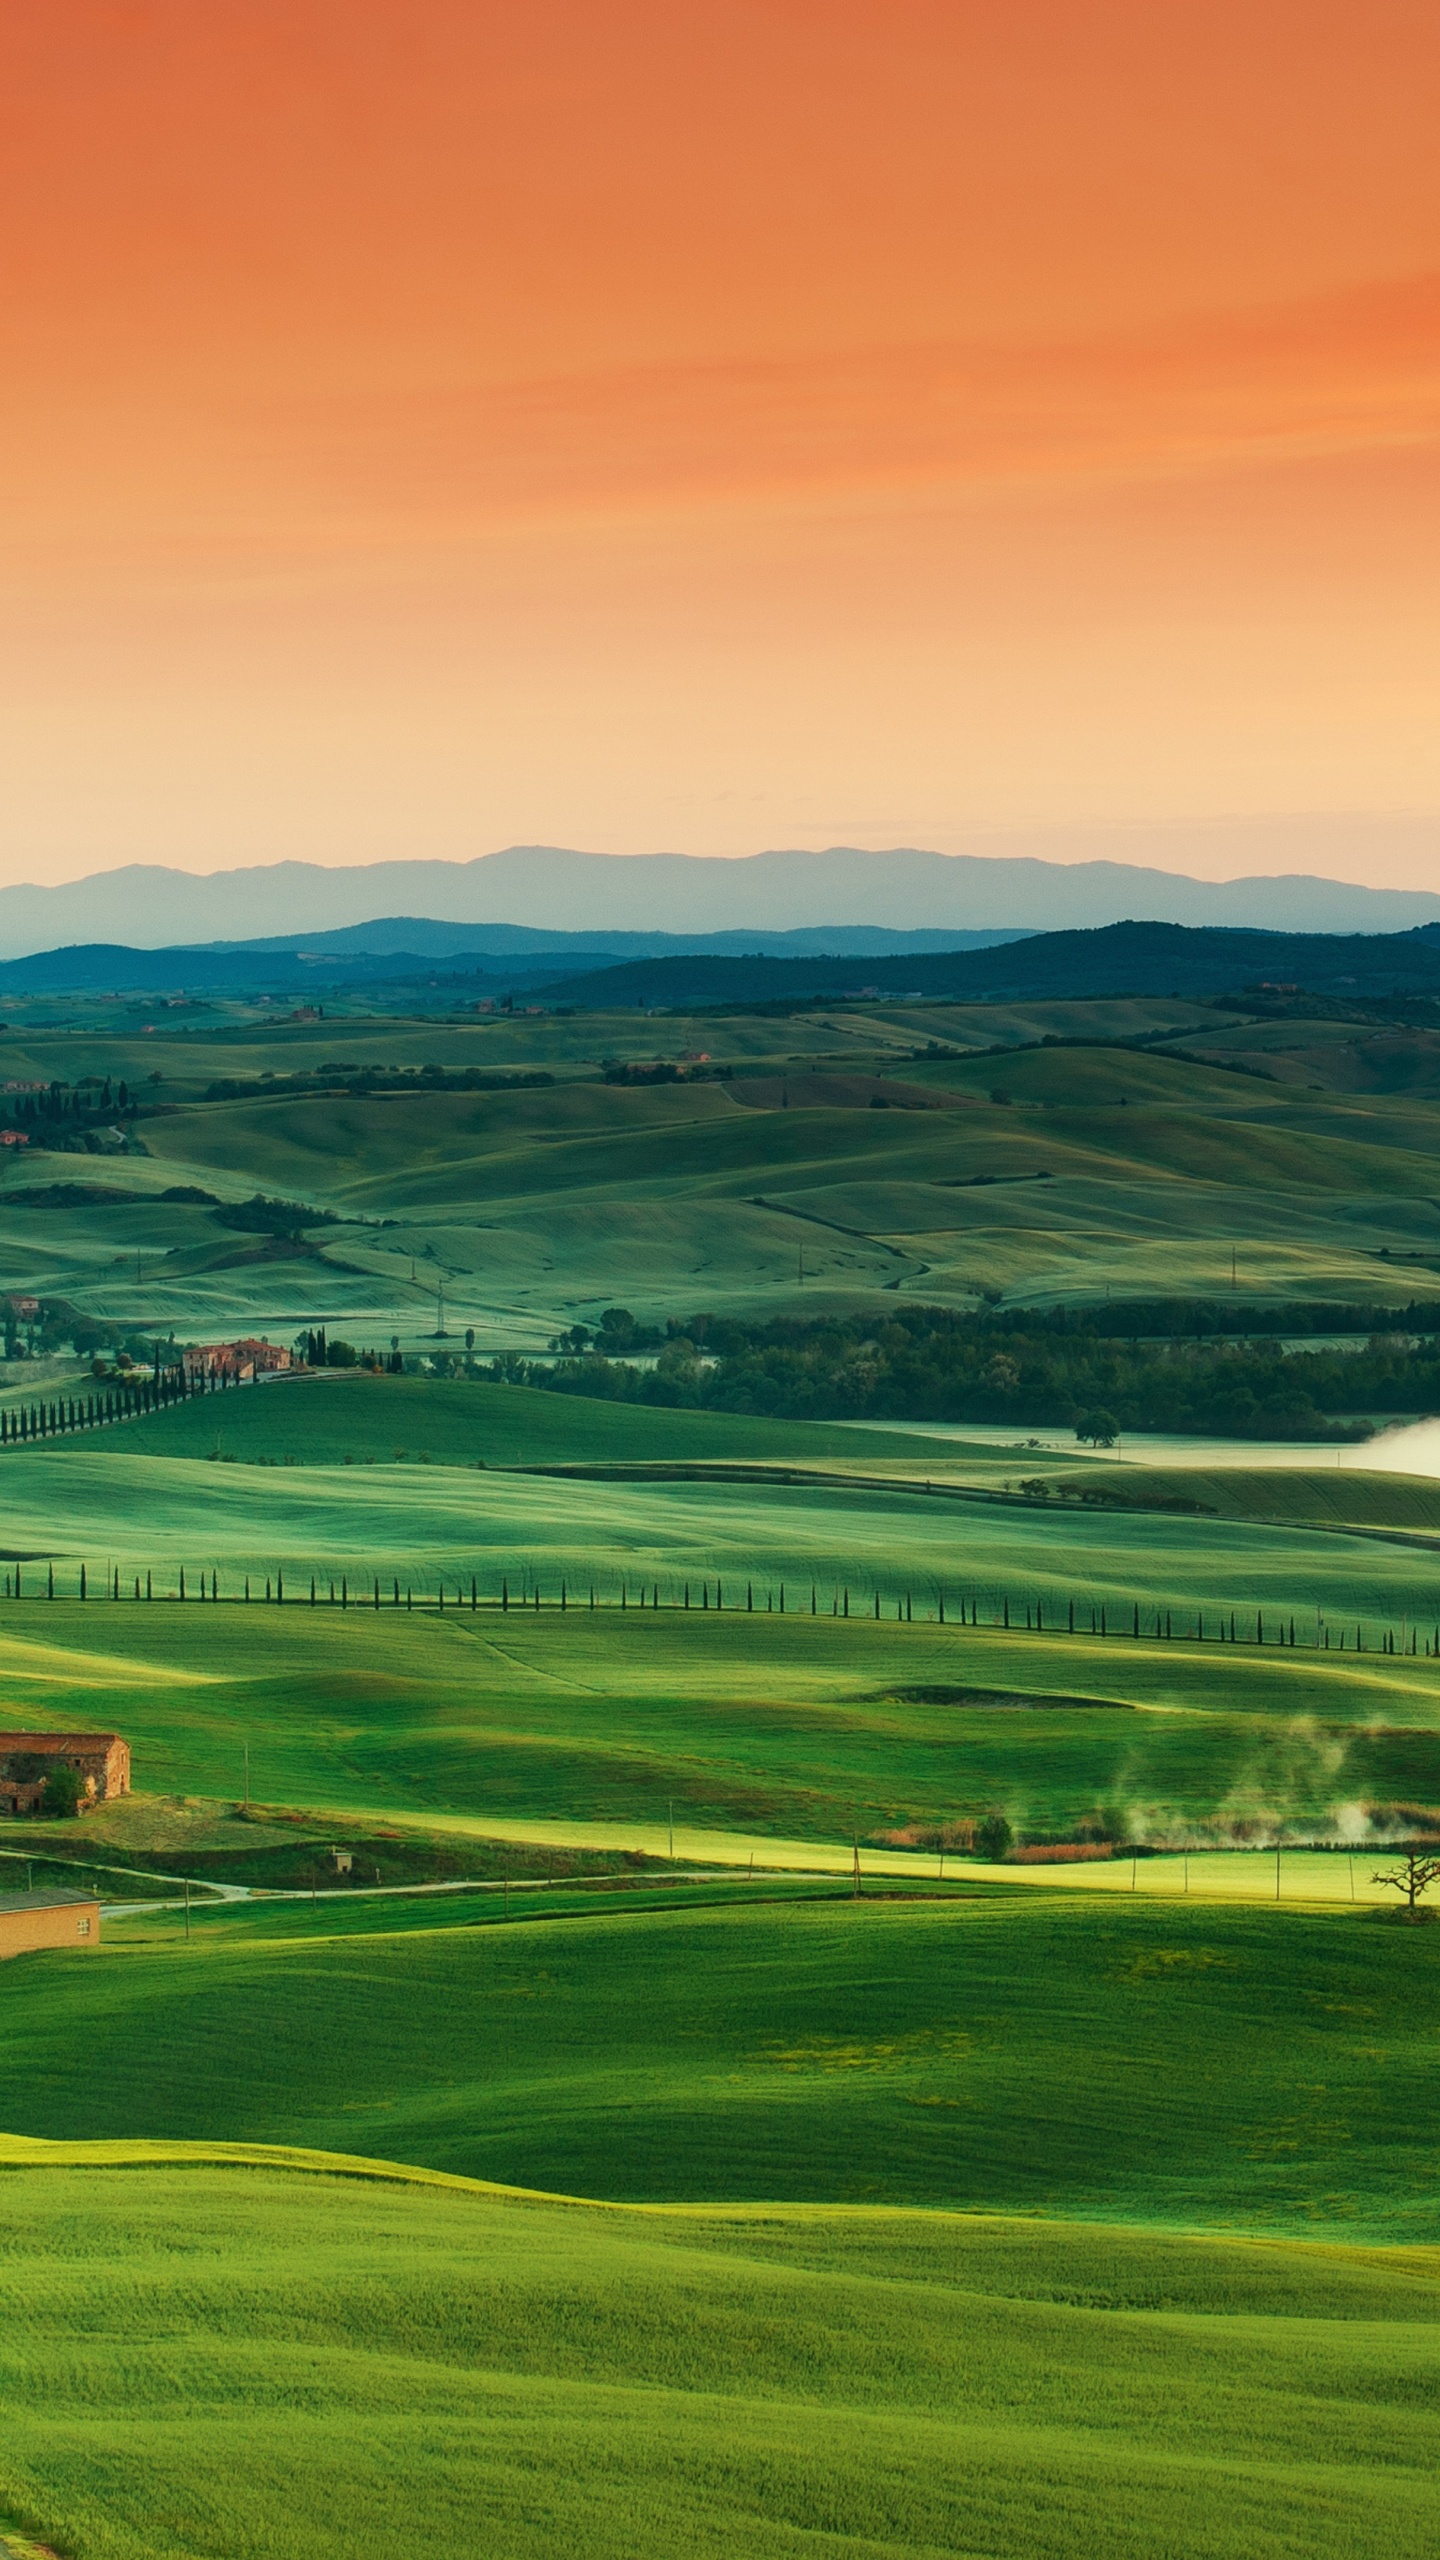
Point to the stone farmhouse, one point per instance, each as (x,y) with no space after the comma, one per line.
(101,1762)
(237,1360)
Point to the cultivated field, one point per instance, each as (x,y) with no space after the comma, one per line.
(401,2362)
(1096,1168)
(997,2208)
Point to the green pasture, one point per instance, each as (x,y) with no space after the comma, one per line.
(798,1728)
(1124,2060)
(393,1514)
(177,1061)
(237,2357)
(1103,1169)
(355,1417)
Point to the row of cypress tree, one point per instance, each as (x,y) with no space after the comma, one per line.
(51,1417)
(328,1591)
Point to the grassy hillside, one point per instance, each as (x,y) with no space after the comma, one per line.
(393,1515)
(354,1416)
(368,2364)
(1097,1169)
(1218,2067)
(798,1728)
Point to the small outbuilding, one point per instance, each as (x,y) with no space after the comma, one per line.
(53,1917)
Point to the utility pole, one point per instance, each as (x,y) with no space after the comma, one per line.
(672,1831)
(187,1907)
(247,1777)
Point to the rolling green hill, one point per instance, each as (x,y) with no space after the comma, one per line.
(797,1728)
(350,1416)
(1159,2063)
(1100,1168)
(341,2367)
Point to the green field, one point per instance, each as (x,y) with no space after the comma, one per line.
(406,2367)
(1099,1168)
(798,1728)
(999,2212)
(1129,2061)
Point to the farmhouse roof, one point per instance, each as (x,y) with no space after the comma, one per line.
(57,1741)
(56,1898)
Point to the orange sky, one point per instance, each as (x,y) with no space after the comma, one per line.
(782,421)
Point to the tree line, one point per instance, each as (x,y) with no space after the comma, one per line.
(701,1594)
(935,1364)
(47,1418)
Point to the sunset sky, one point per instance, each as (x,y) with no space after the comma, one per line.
(648,426)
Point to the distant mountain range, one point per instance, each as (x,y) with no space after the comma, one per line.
(1112,960)
(906,891)
(639,972)
(403,950)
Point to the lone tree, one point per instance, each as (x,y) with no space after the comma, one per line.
(1100,1429)
(993,1837)
(1417,1871)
